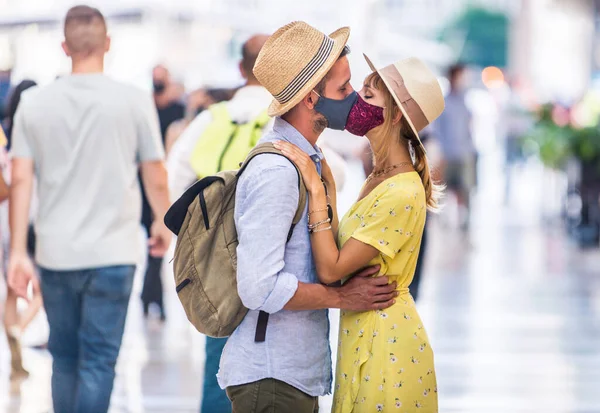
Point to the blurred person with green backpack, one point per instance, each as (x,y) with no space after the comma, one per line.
(218,139)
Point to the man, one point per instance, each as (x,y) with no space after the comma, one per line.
(287,372)
(170,110)
(248,103)
(167,98)
(82,137)
(454,132)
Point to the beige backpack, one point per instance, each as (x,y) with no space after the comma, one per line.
(205,261)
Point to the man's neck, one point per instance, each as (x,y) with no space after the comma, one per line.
(163,100)
(305,128)
(88,66)
(456,91)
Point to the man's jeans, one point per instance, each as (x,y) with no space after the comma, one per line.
(86,312)
(214,400)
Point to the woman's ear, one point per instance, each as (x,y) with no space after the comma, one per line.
(397,116)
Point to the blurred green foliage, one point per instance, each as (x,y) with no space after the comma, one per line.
(557,143)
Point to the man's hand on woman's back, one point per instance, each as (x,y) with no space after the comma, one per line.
(363,292)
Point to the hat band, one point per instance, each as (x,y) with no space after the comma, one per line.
(308,72)
(412,108)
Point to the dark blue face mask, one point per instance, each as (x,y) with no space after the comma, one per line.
(336,111)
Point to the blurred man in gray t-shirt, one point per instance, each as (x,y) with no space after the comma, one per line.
(84,137)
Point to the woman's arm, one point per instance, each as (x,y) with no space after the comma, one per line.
(3,189)
(332,264)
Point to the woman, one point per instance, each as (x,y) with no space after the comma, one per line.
(385,361)
(15,323)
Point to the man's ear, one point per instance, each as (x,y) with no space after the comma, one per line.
(107,44)
(243,71)
(310,100)
(66,49)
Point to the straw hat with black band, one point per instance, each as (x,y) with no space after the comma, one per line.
(294,60)
(415,89)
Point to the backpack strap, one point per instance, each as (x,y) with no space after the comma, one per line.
(263,317)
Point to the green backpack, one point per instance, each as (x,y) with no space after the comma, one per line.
(225,143)
(205,260)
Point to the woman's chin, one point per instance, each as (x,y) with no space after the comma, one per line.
(373,138)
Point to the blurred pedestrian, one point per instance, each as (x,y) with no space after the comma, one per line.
(5,82)
(15,323)
(219,139)
(82,138)
(167,97)
(516,121)
(454,133)
(415,285)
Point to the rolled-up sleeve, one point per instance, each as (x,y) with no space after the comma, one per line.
(266,202)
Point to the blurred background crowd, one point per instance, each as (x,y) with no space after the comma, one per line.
(508,273)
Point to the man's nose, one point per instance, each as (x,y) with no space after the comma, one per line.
(349,89)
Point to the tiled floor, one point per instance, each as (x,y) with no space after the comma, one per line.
(513,313)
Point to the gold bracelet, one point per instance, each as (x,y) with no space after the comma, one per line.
(318,210)
(316,224)
(320,230)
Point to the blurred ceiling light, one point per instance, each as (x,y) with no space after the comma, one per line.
(492,77)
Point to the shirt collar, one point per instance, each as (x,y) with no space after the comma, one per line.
(290,134)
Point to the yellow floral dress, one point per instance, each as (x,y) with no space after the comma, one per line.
(385,362)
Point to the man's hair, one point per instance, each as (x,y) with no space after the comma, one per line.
(320,88)
(85,30)
(250,50)
(455,70)
(248,58)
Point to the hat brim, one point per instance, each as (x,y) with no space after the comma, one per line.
(340,38)
(391,90)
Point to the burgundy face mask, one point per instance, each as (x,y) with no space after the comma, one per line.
(363,117)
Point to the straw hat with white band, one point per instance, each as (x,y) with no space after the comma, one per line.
(294,60)
(415,89)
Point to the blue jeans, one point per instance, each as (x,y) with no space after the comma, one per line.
(214,400)
(86,312)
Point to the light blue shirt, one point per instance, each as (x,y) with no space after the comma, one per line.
(296,350)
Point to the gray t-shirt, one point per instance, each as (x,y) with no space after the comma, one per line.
(86,134)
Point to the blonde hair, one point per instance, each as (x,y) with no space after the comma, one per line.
(404,135)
